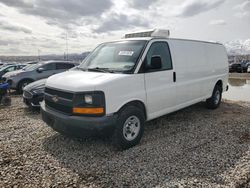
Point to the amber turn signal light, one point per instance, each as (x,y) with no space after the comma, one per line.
(78,110)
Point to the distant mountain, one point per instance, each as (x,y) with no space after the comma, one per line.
(72,57)
(238,47)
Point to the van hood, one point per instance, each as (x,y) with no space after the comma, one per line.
(80,81)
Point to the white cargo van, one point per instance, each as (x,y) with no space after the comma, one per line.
(122,84)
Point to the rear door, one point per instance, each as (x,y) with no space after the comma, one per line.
(160,84)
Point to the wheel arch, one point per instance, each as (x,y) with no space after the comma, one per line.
(219,83)
(137,103)
(24,79)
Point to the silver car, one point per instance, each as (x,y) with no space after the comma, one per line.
(19,79)
(10,68)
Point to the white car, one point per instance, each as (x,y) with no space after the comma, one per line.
(248,69)
(122,84)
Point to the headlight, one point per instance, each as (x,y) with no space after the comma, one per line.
(91,103)
(88,99)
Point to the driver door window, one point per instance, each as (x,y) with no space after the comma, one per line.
(160,49)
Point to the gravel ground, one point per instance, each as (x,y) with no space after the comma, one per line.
(194,147)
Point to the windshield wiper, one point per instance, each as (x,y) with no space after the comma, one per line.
(98,69)
(79,68)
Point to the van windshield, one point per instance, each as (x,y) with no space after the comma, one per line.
(114,57)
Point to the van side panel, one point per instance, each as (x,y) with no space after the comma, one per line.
(198,67)
(217,57)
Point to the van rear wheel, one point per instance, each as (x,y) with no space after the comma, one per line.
(129,128)
(215,100)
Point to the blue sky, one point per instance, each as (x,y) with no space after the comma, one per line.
(27,26)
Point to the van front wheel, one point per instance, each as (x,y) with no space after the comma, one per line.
(215,100)
(129,129)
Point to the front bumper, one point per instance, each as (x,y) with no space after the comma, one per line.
(77,125)
(34,100)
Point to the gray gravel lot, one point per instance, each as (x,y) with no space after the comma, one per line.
(194,147)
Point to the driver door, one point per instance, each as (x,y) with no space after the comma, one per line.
(160,84)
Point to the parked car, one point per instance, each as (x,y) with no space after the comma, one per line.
(9,68)
(245,65)
(7,64)
(19,79)
(236,67)
(122,84)
(33,93)
(248,70)
(32,62)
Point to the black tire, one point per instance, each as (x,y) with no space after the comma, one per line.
(22,84)
(215,100)
(128,114)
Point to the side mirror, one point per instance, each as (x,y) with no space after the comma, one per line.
(40,70)
(155,62)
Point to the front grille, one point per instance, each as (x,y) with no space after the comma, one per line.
(27,95)
(62,94)
(59,107)
(64,103)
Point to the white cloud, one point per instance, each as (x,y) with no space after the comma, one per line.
(243,9)
(63,13)
(238,46)
(116,22)
(141,4)
(4,42)
(218,22)
(18,3)
(194,7)
(29,25)
(14,27)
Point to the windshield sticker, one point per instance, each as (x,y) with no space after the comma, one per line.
(126,53)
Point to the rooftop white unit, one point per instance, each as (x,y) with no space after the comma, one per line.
(153,33)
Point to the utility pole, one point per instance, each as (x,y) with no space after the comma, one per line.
(38,54)
(67,49)
(241,52)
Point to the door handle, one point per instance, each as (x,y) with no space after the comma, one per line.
(174,76)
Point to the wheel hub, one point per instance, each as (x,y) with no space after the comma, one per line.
(217,97)
(131,128)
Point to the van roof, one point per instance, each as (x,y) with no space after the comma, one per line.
(151,38)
